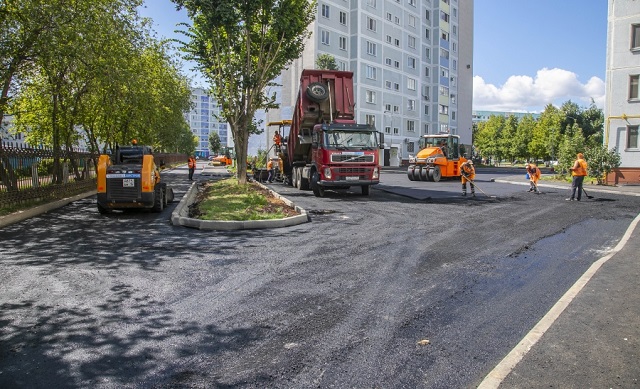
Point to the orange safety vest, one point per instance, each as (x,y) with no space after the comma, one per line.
(192,163)
(581,170)
(269,165)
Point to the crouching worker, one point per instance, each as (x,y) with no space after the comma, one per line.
(534,176)
(468,173)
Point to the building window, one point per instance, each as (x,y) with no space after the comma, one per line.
(396,109)
(372,72)
(444,53)
(444,91)
(371,97)
(633,87)
(453,99)
(427,34)
(343,18)
(387,130)
(444,72)
(371,3)
(372,48)
(632,137)
(427,15)
(427,72)
(412,2)
(325,10)
(444,16)
(371,24)
(635,37)
(389,16)
(342,65)
(445,36)
(370,119)
(324,37)
(426,110)
(412,42)
(387,108)
(427,53)
(411,105)
(453,115)
(410,147)
(396,86)
(396,64)
(443,109)
(387,61)
(411,62)
(343,43)
(387,84)
(411,126)
(412,21)
(397,42)
(411,83)
(396,130)
(389,39)
(426,128)
(396,20)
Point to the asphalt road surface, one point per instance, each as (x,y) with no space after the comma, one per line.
(413,286)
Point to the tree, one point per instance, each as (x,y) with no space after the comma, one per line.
(601,161)
(326,61)
(214,142)
(241,46)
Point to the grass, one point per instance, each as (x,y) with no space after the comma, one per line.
(227,200)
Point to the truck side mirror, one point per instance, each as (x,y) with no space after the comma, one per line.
(381,141)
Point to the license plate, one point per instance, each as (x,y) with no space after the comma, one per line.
(128,183)
(352,178)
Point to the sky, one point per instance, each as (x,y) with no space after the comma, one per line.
(527,54)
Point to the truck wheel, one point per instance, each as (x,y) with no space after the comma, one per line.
(416,173)
(169,195)
(424,173)
(410,172)
(365,190)
(296,178)
(304,182)
(317,92)
(435,174)
(317,189)
(158,199)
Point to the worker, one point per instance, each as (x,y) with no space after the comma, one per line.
(192,166)
(468,173)
(277,141)
(270,170)
(534,175)
(578,173)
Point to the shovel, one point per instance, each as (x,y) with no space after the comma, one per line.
(586,194)
(477,187)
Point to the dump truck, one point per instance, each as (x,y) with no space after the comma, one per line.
(325,148)
(439,157)
(130,179)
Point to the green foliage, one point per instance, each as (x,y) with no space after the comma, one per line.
(214,142)
(326,61)
(572,144)
(241,46)
(601,161)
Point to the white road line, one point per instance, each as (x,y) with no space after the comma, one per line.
(500,372)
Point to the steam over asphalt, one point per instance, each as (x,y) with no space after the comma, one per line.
(347,300)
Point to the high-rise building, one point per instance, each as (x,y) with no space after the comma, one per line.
(412,62)
(622,105)
(203,121)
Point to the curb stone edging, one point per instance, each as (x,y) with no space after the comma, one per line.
(19,216)
(180,217)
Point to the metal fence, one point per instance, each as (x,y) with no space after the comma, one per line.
(31,174)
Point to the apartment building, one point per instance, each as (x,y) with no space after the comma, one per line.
(622,105)
(203,121)
(412,62)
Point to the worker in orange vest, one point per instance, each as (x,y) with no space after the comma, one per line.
(468,173)
(271,171)
(192,167)
(579,172)
(534,176)
(277,140)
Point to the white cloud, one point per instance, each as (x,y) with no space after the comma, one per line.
(523,93)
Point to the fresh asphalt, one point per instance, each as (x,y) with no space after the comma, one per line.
(591,337)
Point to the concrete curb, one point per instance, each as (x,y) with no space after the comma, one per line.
(44,208)
(179,217)
(568,187)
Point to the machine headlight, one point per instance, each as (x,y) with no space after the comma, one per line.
(376,172)
(412,159)
(327,173)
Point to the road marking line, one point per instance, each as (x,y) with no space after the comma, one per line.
(508,363)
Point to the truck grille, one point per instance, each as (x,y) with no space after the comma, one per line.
(344,172)
(117,192)
(342,158)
